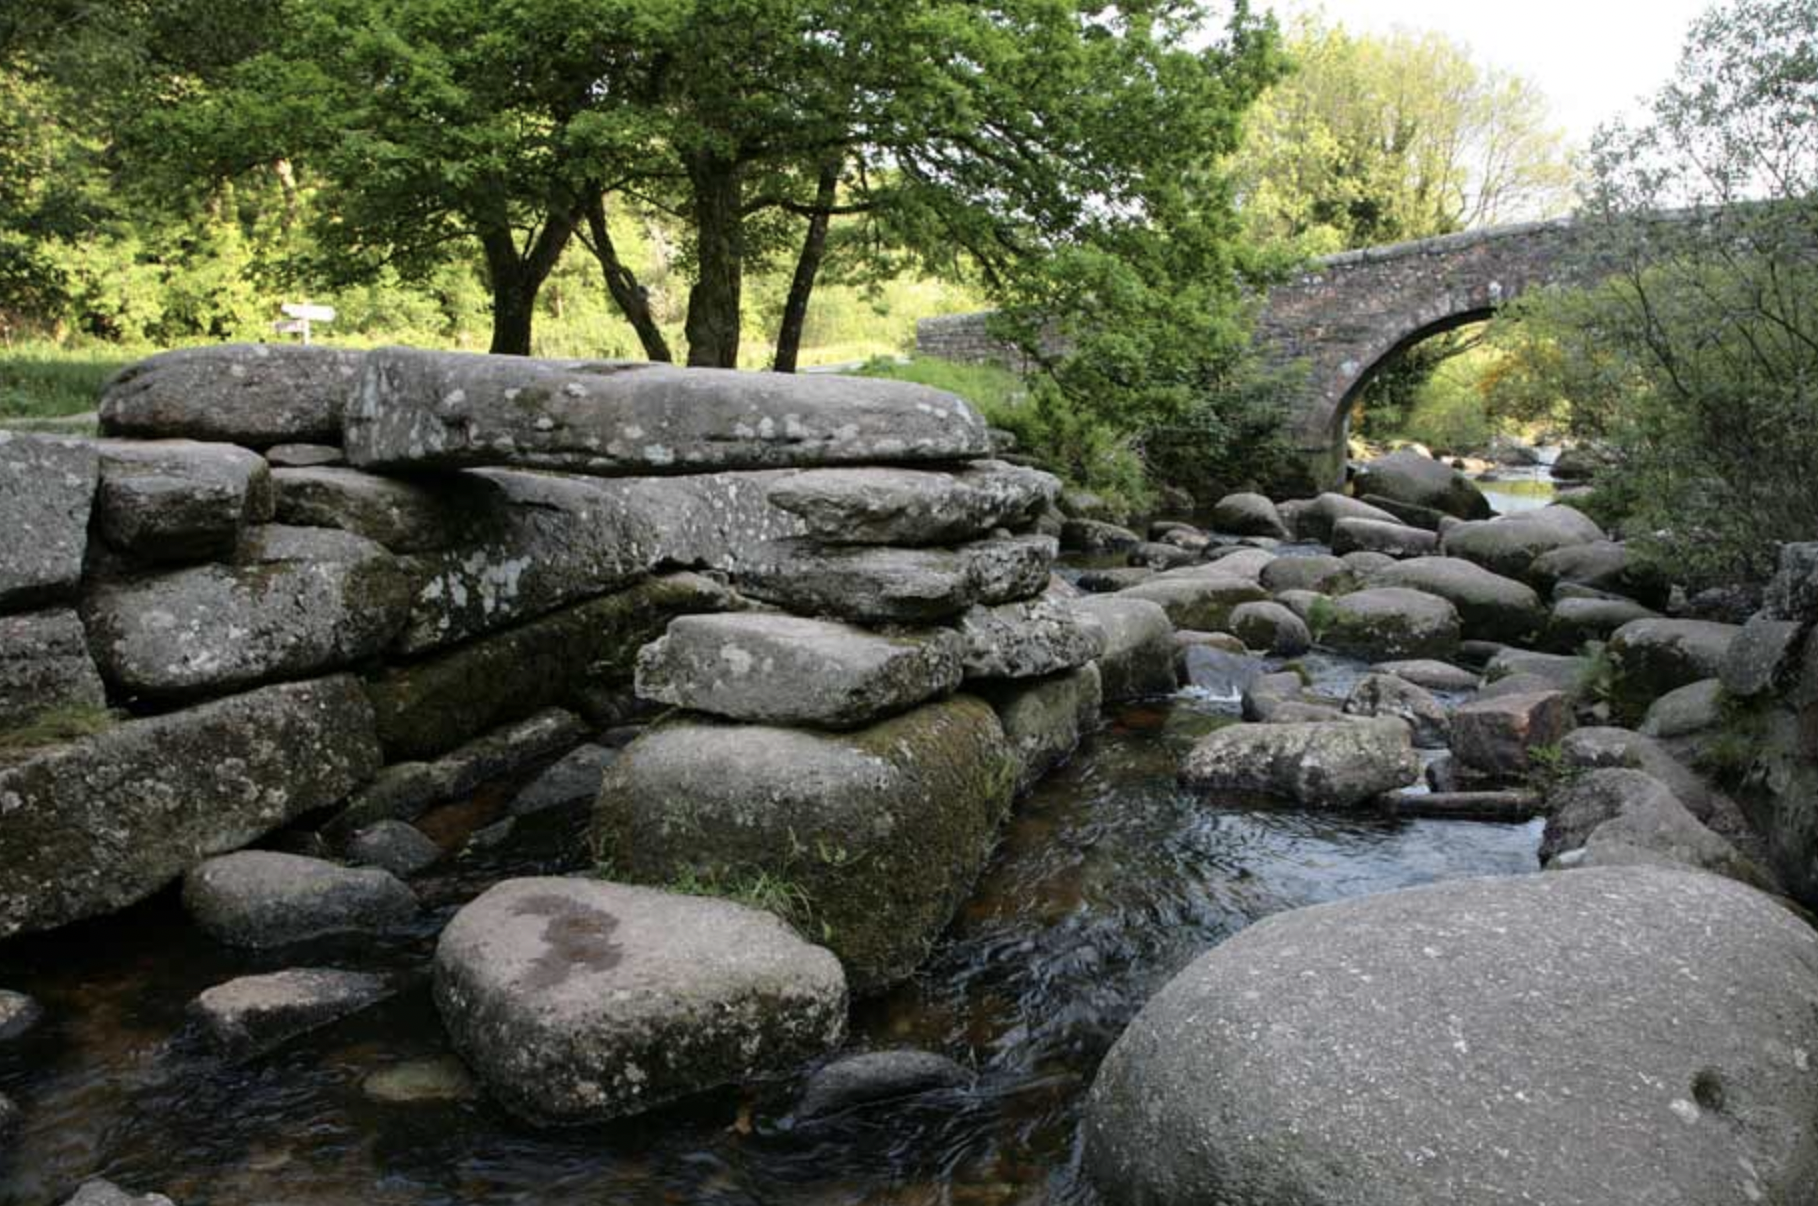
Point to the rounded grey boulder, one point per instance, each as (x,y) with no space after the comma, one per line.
(262,898)
(1624,1036)
(1391,623)
(873,1076)
(578,1000)
(1408,477)
(1490,607)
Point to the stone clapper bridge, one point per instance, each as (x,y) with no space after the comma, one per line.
(1343,317)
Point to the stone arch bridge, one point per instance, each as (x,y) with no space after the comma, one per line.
(1342,317)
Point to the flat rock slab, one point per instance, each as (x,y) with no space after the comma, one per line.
(420,409)
(47,491)
(882,831)
(1332,764)
(779,669)
(1613,1037)
(578,1000)
(302,601)
(106,821)
(263,898)
(1027,640)
(252,1015)
(530,543)
(914,507)
(45,667)
(880,585)
(1433,675)
(179,500)
(255,394)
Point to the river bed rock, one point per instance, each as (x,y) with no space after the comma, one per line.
(1496,737)
(18,1014)
(252,1015)
(1027,640)
(1648,658)
(1391,623)
(1200,602)
(1249,515)
(101,823)
(1337,764)
(1392,695)
(262,898)
(578,1000)
(1510,544)
(1409,477)
(877,1076)
(1490,607)
(1629,1036)
(1396,539)
(1045,719)
(1618,817)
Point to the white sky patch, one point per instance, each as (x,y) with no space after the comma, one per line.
(1592,58)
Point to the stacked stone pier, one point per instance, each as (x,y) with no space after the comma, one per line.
(273,636)
(856,742)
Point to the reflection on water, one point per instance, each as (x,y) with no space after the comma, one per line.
(1108,880)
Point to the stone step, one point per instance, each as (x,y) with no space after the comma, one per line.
(419,409)
(781,669)
(884,585)
(914,507)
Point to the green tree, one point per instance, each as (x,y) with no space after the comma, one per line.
(1695,367)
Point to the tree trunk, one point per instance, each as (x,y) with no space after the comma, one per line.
(713,302)
(623,285)
(515,279)
(807,268)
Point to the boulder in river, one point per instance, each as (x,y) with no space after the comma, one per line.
(578,1000)
(1617,817)
(1623,1036)
(1390,539)
(1249,515)
(1337,764)
(1409,477)
(1319,572)
(422,409)
(18,1014)
(1027,640)
(1392,695)
(875,1076)
(1269,627)
(262,898)
(1648,658)
(1202,602)
(1045,719)
(252,1015)
(879,833)
(1389,623)
(1315,521)
(1509,544)
(1490,606)
(1496,737)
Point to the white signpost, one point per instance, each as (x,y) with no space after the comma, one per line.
(298,316)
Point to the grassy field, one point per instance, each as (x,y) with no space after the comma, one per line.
(994,391)
(40,380)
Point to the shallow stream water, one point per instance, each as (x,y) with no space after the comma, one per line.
(1109,878)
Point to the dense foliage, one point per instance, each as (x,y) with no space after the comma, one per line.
(1695,368)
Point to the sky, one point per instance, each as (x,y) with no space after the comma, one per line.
(1592,58)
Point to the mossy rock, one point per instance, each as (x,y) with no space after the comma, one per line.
(876,836)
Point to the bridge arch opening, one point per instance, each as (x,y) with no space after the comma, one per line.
(1352,398)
